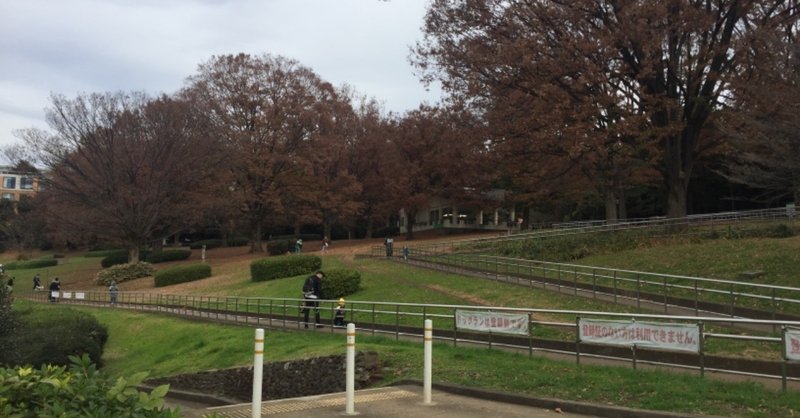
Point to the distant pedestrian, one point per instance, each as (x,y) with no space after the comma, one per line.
(113,290)
(405,252)
(325,243)
(55,288)
(312,292)
(389,244)
(298,246)
(37,282)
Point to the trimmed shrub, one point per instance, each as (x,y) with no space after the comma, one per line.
(31,264)
(42,340)
(279,247)
(124,272)
(168,255)
(105,253)
(283,266)
(340,282)
(182,274)
(81,391)
(114,259)
(209,243)
(237,241)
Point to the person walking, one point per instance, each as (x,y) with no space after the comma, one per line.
(312,292)
(113,290)
(37,282)
(55,288)
(298,246)
(325,243)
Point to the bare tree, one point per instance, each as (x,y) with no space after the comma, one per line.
(555,70)
(265,109)
(121,166)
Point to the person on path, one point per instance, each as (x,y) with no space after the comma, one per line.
(37,282)
(55,288)
(312,292)
(405,252)
(325,243)
(298,246)
(113,290)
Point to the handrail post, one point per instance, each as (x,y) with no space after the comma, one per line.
(258,370)
(428,361)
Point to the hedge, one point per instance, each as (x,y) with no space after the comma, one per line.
(182,274)
(31,264)
(122,258)
(40,339)
(340,282)
(105,253)
(168,255)
(209,243)
(283,266)
(279,247)
(124,272)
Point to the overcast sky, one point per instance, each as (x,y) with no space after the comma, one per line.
(82,46)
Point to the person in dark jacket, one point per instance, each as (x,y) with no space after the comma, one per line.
(55,286)
(312,292)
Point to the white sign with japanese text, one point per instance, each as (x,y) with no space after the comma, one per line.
(793,344)
(677,337)
(80,295)
(505,323)
(67,295)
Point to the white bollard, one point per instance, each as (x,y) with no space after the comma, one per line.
(427,373)
(350,382)
(258,372)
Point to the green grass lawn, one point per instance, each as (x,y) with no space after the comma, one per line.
(165,345)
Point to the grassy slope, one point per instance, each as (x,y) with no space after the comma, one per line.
(166,345)
(779,258)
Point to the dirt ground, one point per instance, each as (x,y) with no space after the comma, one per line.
(227,261)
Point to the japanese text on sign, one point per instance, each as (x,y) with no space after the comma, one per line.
(793,344)
(678,337)
(506,323)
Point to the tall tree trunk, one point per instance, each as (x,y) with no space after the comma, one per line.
(255,236)
(411,219)
(370,227)
(133,254)
(326,230)
(622,206)
(610,200)
(679,161)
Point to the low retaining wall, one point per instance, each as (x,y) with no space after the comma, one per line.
(286,379)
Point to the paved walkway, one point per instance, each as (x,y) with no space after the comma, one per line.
(389,402)
(405,401)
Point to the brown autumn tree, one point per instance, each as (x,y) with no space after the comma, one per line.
(121,166)
(265,110)
(762,121)
(440,153)
(374,163)
(556,72)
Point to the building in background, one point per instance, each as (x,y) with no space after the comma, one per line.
(15,184)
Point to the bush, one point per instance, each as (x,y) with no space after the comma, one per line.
(209,243)
(79,391)
(238,241)
(124,272)
(340,282)
(31,264)
(283,266)
(106,253)
(41,340)
(182,274)
(168,255)
(114,259)
(279,247)
(780,231)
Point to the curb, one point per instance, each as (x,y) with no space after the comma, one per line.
(200,398)
(576,407)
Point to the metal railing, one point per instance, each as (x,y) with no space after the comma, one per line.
(725,297)
(668,224)
(405,319)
